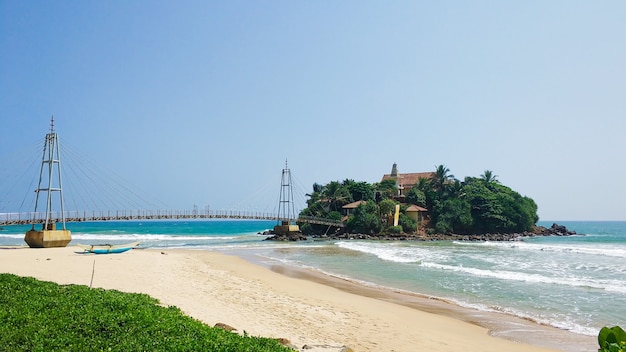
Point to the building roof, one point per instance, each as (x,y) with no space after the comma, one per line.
(410,178)
(416,208)
(353,205)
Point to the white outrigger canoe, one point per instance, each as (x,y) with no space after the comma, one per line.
(107,248)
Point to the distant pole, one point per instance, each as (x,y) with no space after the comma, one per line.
(286,207)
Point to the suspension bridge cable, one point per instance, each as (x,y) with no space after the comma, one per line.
(115,189)
(74,193)
(300,191)
(112,191)
(106,200)
(253,199)
(13,182)
(78,177)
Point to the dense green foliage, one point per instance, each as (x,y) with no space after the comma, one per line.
(612,339)
(407,224)
(43,316)
(365,219)
(476,205)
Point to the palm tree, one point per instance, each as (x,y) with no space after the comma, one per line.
(316,195)
(318,188)
(441,178)
(489,177)
(455,189)
(336,195)
(423,184)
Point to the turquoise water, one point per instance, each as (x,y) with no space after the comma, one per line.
(576,283)
(157,234)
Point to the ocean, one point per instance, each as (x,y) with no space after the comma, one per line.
(575,283)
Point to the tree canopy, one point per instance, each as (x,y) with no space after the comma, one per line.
(476,205)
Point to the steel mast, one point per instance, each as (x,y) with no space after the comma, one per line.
(49,181)
(286,209)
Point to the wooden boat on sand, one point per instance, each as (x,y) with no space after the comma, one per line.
(107,248)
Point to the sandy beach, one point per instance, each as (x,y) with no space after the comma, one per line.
(309,310)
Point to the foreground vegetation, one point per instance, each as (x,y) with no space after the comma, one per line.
(476,205)
(44,316)
(612,339)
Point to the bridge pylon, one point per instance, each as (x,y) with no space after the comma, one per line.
(286,208)
(50,171)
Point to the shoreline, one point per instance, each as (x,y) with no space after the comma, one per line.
(498,324)
(306,307)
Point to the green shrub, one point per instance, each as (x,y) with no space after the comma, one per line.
(612,339)
(395,229)
(306,229)
(408,225)
(43,316)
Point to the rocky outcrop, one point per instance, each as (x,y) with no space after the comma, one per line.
(361,236)
(294,236)
(554,230)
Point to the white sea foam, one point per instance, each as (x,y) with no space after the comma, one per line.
(339,276)
(616,286)
(258,245)
(557,321)
(12,235)
(149,237)
(597,249)
(394,252)
(609,285)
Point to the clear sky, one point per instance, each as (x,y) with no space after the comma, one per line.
(201,102)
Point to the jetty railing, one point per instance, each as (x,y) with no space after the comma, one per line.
(22,218)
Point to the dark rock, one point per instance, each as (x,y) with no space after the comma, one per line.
(289,237)
(285,342)
(224,327)
(554,230)
(327,348)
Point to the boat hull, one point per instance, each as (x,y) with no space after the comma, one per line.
(107,248)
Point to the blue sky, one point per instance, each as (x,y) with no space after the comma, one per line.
(201,102)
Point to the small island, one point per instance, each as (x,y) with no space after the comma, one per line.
(424,206)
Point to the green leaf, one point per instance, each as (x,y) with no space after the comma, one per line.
(610,339)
